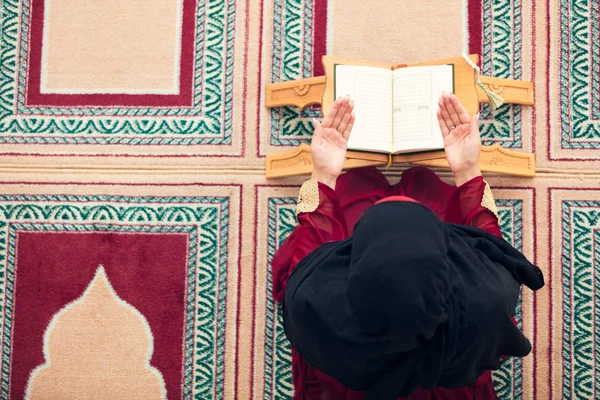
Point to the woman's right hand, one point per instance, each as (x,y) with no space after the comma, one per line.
(462,140)
(330,141)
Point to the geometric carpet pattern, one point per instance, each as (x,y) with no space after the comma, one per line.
(134,211)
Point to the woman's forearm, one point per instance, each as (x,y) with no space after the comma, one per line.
(324,178)
(460,178)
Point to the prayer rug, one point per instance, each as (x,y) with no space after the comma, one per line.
(134,212)
(552,218)
(152,82)
(119,290)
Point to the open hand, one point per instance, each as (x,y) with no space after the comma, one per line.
(462,140)
(330,141)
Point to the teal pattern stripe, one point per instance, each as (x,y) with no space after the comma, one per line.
(579,74)
(501,58)
(508,380)
(292,55)
(581,298)
(278,379)
(595,58)
(208,121)
(278,353)
(204,219)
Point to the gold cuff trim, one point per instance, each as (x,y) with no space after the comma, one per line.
(308,199)
(488,200)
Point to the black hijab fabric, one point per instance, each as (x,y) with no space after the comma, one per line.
(408,301)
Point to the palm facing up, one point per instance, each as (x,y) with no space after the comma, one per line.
(462,140)
(330,141)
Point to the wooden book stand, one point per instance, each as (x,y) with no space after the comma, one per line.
(319,90)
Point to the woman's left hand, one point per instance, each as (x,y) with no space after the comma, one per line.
(330,140)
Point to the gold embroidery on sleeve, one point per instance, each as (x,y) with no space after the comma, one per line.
(488,200)
(308,200)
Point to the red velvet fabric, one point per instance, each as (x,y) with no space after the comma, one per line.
(334,219)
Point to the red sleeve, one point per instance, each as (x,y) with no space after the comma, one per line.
(466,209)
(325,224)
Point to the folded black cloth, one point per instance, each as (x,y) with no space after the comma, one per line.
(408,301)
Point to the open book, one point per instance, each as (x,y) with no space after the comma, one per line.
(395,108)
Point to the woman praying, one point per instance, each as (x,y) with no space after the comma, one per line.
(404,291)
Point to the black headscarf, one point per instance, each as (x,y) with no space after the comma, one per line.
(408,301)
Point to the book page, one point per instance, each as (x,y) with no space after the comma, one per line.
(371,90)
(416,92)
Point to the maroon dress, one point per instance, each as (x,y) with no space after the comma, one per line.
(334,218)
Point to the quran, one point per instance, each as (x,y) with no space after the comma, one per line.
(370,147)
(395,107)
